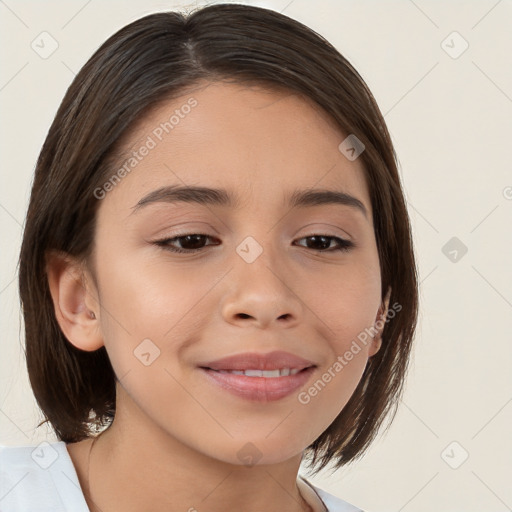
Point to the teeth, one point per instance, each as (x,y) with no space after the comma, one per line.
(283,372)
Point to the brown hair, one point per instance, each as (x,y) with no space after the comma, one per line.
(155,59)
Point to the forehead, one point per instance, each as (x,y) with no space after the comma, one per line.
(258,144)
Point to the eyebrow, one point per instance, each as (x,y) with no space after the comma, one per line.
(221,197)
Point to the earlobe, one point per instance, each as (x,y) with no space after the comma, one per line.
(380,322)
(75,303)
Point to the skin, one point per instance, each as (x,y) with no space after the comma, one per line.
(172,428)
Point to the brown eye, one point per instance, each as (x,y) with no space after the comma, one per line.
(194,242)
(322,243)
(188,243)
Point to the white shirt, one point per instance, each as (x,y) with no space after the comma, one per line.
(42,478)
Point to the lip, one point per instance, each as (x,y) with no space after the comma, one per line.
(257,361)
(259,389)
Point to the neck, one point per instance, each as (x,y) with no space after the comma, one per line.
(127,464)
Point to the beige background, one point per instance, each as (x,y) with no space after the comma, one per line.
(451,123)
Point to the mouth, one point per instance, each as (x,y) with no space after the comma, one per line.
(269,374)
(259,385)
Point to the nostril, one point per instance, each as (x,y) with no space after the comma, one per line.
(243,315)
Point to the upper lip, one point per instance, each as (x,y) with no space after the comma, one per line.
(257,361)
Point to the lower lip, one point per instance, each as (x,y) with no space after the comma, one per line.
(259,389)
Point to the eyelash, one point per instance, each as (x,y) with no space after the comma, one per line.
(343,245)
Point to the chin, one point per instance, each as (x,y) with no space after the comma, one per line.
(259,453)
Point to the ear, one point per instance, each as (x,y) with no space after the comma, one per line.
(75,301)
(380,322)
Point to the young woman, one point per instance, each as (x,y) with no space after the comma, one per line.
(217,273)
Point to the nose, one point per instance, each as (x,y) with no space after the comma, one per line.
(258,295)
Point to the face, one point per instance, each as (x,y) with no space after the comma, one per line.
(255,274)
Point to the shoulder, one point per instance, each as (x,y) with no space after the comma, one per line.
(332,503)
(38,478)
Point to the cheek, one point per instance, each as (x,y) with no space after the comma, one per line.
(145,308)
(327,395)
(347,308)
(349,311)
(147,298)
(348,304)
(151,314)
